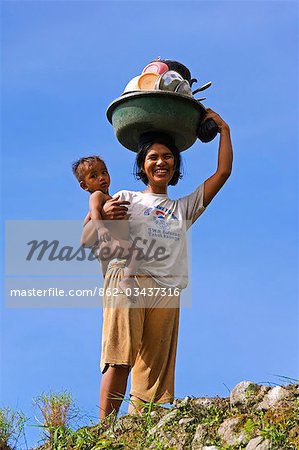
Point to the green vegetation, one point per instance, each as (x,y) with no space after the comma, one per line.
(157,427)
(11,427)
(57,411)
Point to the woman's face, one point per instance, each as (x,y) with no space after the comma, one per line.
(159,165)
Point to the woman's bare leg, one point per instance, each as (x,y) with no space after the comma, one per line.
(112,390)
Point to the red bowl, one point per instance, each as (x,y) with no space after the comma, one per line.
(156,67)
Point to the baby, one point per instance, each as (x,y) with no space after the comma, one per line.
(93,176)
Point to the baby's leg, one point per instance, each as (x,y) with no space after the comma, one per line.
(127,284)
(133,262)
(132,253)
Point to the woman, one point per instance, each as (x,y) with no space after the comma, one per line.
(143,338)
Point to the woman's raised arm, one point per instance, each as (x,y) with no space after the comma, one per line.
(225,159)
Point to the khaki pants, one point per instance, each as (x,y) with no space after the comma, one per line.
(142,335)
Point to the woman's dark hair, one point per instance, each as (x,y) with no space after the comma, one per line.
(145,143)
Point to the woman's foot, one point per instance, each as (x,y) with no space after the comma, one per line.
(136,406)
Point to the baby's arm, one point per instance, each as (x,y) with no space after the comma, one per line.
(87,219)
(96,202)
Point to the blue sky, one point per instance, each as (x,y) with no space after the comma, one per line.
(62,64)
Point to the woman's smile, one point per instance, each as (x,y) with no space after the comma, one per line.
(161,172)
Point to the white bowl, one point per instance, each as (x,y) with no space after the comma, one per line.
(132,85)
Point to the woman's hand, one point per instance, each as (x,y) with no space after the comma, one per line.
(114,209)
(222,125)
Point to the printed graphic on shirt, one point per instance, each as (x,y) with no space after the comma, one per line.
(164,223)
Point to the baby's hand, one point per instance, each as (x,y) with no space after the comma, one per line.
(104,234)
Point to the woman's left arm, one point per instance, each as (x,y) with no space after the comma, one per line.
(225,159)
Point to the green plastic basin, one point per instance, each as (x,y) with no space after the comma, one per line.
(136,113)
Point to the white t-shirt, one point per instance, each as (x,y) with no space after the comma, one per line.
(158,225)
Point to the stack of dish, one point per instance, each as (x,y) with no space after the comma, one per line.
(160,99)
(157,76)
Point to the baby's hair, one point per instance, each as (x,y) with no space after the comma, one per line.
(78,166)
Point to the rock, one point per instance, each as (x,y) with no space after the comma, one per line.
(207,447)
(243,392)
(204,402)
(199,437)
(186,420)
(181,402)
(178,442)
(230,433)
(274,396)
(167,418)
(125,423)
(200,423)
(294,432)
(175,438)
(258,444)
(294,436)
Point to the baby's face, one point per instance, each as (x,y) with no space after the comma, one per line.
(96,177)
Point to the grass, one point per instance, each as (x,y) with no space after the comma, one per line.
(279,425)
(11,427)
(57,411)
